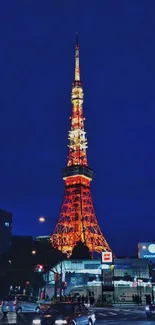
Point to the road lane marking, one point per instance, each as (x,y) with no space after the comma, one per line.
(127,310)
(101,314)
(116,309)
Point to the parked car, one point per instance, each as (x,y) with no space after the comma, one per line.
(19,304)
(125,297)
(66,313)
(150,309)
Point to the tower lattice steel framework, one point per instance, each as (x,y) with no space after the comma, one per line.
(77,220)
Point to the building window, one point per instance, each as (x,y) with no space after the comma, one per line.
(6,224)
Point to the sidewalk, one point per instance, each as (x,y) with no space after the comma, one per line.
(129,305)
(121,306)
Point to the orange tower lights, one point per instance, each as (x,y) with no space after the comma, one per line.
(77,220)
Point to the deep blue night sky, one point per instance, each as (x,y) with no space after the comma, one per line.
(117,58)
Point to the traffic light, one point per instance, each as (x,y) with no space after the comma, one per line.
(64,285)
(39,268)
(56,276)
(27,283)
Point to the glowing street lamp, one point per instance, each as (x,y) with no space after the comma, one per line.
(42,219)
(33,252)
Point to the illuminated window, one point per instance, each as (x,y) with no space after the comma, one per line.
(6,224)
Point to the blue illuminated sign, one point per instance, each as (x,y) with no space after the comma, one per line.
(146,250)
(123,266)
(91,266)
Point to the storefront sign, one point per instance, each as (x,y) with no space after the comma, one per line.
(91,266)
(123,266)
(106,257)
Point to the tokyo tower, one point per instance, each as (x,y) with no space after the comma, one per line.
(77,220)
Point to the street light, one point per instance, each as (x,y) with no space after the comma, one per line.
(42,219)
(33,252)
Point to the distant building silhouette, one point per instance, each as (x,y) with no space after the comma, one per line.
(5,230)
(22,246)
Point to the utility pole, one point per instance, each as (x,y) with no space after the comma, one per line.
(43,219)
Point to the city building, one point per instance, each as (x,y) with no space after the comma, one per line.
(41,247)
(16,264)
(43,253)
(5,230)
(41,242)
(21,251)
(131,276)
(147,250)
(20,242)
(41,239)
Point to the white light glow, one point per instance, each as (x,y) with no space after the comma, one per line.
(36,321)
(151,248)
(105,266)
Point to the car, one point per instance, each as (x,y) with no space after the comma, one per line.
(62,313)
(125,298)
(150,309)
(19,303)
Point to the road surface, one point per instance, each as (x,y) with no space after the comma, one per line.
(112,316)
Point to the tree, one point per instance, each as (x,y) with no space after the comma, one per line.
(47,255)
(18,264)
(36,281)
(81,251)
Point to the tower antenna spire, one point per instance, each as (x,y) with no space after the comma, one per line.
(77,59)
(77,38)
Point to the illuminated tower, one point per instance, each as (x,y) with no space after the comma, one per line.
(77,220)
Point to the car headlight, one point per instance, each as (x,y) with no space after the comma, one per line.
(60,321)
(36,322)
(147,308)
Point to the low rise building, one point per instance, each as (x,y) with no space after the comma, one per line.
(5,230)
(130,276)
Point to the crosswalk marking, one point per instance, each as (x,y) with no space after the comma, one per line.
(101,314)
(126,310)
(12,318)
(120,312)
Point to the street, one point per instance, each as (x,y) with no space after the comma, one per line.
(123,314)
(129,315)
